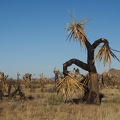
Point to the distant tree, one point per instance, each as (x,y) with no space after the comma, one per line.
(76,32)
(57,74)
(18,75)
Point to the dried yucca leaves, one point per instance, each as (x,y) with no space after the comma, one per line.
(3,86)
(67,85)
(105,53)
(85,80)
(76,31)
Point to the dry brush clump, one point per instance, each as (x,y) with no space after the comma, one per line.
(10,89)
(33,83)
(68,86)
(109,80)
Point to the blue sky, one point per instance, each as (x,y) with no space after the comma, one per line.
(32,33)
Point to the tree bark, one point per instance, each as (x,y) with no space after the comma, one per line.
(94,90)
(76,62)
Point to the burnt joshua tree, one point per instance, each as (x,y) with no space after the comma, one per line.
(76,32)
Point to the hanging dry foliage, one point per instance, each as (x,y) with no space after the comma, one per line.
(68,84)
(105,54)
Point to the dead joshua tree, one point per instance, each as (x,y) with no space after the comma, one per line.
(76,32)
(42,82)
(18,75)
(106,80)
(28,79)
(18,91)
(5,77)
(103,79)
(18,79)
(5,87)
(110,79)
(58,75)
(77,72)
(2,84)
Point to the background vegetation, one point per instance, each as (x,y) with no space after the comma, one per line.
(44,104)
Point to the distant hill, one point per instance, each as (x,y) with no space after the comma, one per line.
(114,72)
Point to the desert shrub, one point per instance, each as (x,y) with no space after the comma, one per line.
(51,90)
(115,100)
(55,99)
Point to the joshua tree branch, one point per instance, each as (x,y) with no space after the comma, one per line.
(97,42)
(87,43)
(76,62)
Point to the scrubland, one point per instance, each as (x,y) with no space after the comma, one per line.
(45,104)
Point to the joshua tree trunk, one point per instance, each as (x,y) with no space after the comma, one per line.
(94,89)
(92,92)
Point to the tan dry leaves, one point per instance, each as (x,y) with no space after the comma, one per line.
(68,84)
(76,31)
(105,53)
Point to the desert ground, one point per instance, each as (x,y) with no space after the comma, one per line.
(45,104)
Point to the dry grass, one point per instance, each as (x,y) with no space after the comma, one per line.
(49,106)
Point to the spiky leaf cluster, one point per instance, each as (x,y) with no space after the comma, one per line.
(67,84)
(105,54)
(76,31)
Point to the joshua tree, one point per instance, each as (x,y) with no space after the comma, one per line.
(18,75)
(3,83)
(76,32)
(28,76)
(43,80)
(58,74)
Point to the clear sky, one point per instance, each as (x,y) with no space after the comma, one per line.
(32,33)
